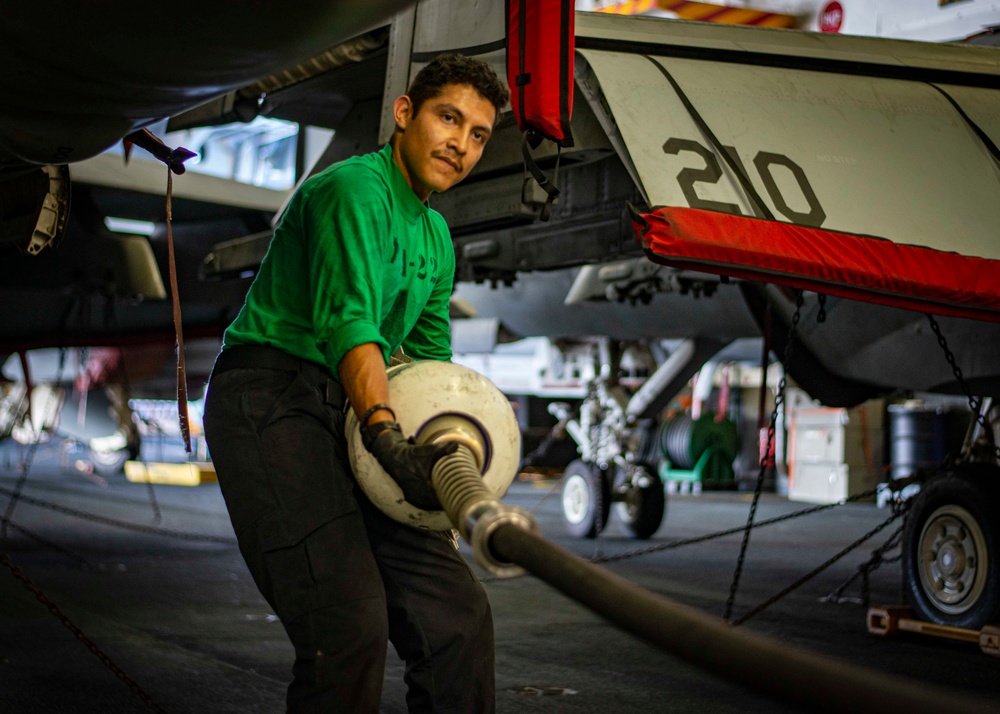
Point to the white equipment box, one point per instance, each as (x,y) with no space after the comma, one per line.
(834,453)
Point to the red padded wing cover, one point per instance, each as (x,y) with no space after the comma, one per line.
(851,266)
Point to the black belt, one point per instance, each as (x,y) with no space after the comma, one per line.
(265,357)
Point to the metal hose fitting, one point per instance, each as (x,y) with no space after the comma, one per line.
(474,510)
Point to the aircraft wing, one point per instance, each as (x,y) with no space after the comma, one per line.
(860,168)
(839,133)
(77,77)
(909,160)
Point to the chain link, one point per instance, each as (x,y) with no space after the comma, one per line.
(86,564)
(731,531)
(80,635)
(138,528)
(779,400)
(551,436)
(545,496)
(157,516)
(29,458)
(877,560)
(897,512)
(15,495)
(974,403)
(649,550)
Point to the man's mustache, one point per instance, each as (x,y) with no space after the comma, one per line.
(450,158)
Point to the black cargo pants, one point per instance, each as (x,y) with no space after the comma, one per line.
(342,577)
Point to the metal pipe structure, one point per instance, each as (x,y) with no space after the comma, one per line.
(793,675)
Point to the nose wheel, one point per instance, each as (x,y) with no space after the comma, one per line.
(642,503)
(586,499)
(587,495)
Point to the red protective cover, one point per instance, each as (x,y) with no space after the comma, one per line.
(540,46)
(850,266)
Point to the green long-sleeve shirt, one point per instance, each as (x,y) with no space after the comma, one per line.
(357,258)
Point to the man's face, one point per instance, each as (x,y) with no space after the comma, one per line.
(439,145)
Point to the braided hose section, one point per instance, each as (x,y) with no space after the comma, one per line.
(475,510)
(460,488)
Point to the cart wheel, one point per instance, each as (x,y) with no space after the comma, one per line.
(585,495)
(642,508)
(111,463)
(951,551)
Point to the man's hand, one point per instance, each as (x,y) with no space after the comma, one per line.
(408,463)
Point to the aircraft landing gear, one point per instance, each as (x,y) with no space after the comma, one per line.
(638,495)
(586,499)
(615,435)
(641,501)
(951,549)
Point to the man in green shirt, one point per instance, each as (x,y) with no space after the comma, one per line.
(359,267)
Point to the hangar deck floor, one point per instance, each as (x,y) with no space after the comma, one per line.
(185,621)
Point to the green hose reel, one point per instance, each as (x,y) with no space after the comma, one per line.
(701,450)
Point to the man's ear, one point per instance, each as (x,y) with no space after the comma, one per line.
(402,111)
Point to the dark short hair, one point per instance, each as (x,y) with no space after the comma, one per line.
(457,69)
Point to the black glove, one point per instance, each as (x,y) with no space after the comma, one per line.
(408,463)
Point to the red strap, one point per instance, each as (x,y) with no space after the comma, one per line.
(182,400)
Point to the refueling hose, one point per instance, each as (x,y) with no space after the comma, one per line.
(796,676)
(504,539)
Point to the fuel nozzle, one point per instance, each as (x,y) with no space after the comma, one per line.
(443,401)
(471,506)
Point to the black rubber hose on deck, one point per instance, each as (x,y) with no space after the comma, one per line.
(796,676)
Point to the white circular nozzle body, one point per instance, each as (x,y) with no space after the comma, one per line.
(440,401)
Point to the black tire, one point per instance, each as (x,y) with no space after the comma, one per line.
(586,499)
(951,550)
(641,511)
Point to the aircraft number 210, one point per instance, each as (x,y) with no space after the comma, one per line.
(764,161)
